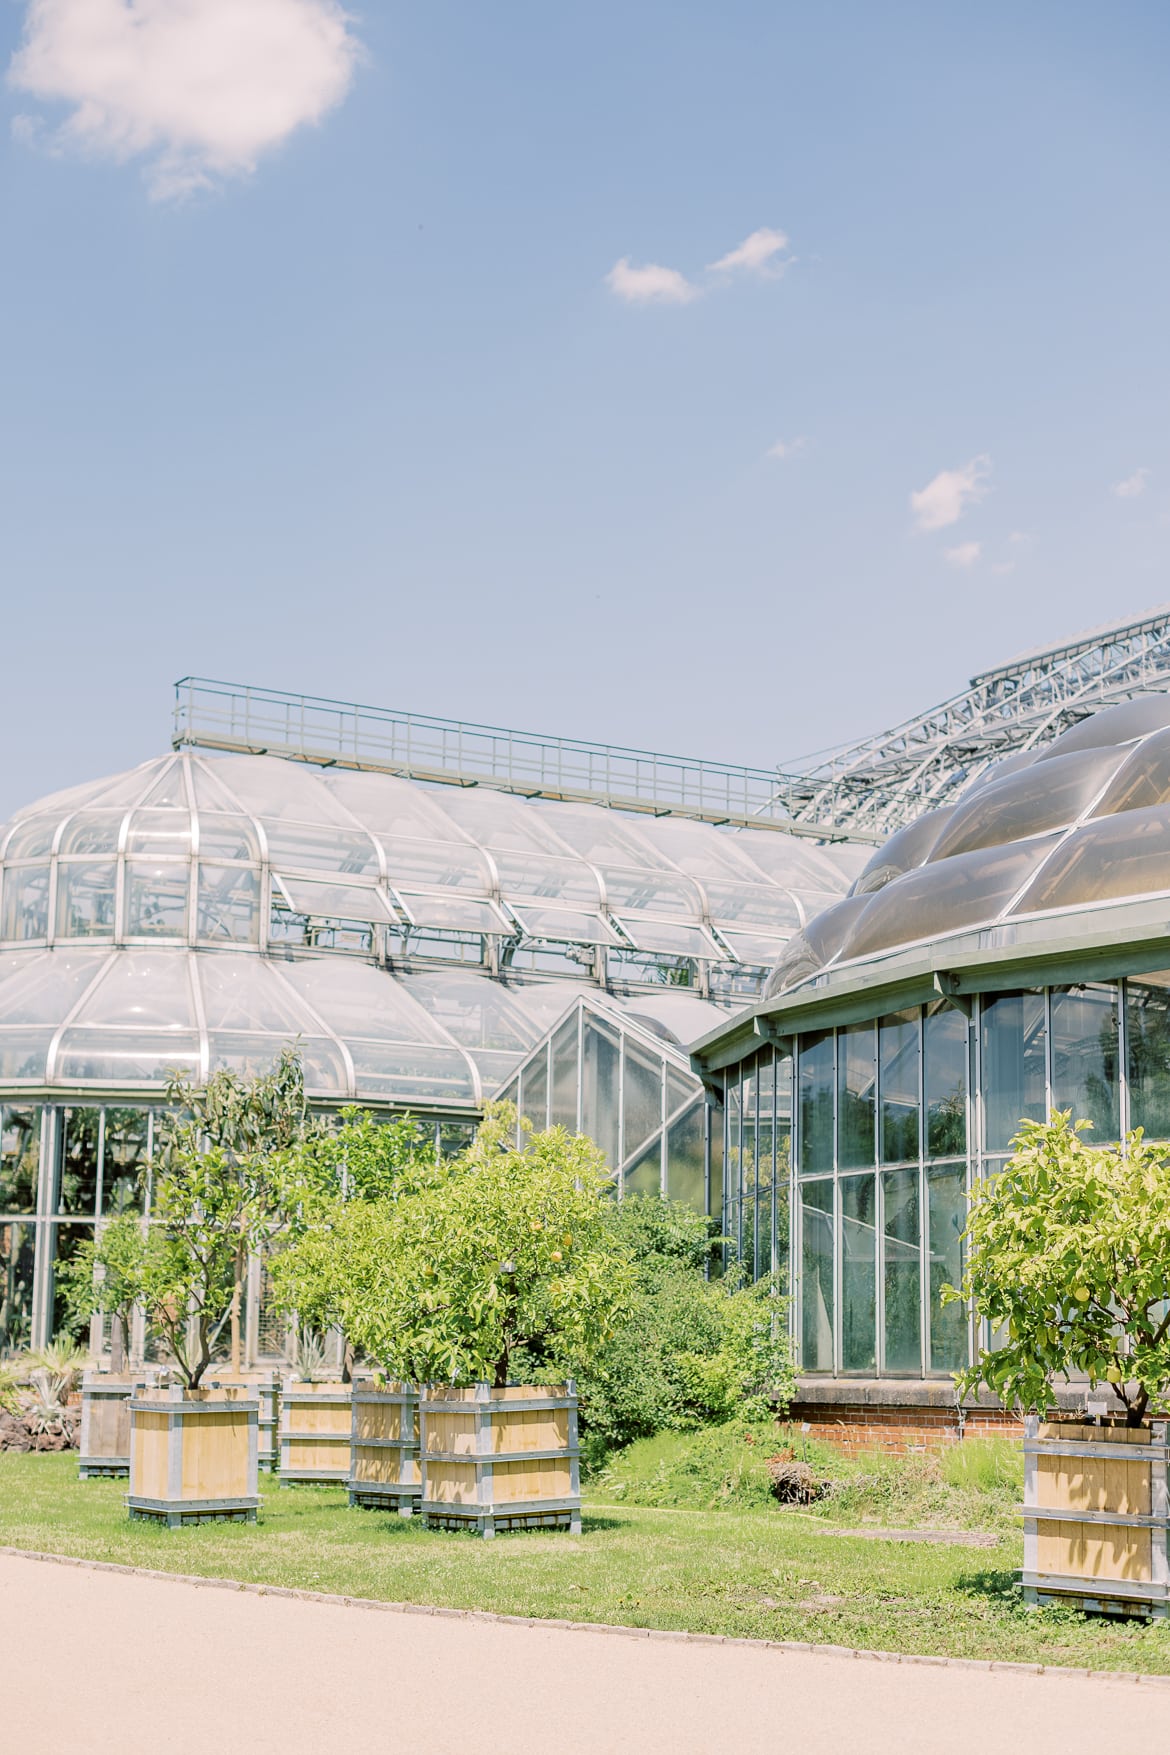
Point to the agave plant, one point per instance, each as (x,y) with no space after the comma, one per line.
(41,1405)
(308,1355)
(62,1363)
(12,1379)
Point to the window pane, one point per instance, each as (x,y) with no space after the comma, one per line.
(816,1102)
(946,1192)
(642,1098)
(902,1271)
(600,1089)
(1012,1044)
(731,1122)
(534,1092)
(26,902)
(20,1153)
(17,1256)
(85,900)
(684,1159)
(645,1176)
(125,1160)
(900,1054)
(156,900)
(65,1241)
(229,904)
(715,1196)
(564,1091)
(855,1096)
(816,1276)
(1148,1025)
(1085,1052)
(859,1274)
(945,1079)
(79,1161)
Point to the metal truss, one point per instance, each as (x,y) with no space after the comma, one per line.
(874,787)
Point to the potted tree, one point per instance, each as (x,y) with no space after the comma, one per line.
(224,1184)
(104,1439)
(1068,1252)
(364,1433)
(489,1280)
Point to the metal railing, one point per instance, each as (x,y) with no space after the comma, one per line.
(229,716)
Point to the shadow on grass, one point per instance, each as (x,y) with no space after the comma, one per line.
(999,1585)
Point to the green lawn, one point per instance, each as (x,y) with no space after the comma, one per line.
(765,1573)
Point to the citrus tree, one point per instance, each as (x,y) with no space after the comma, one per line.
(227,1179)
(1069,1261)
(496,1257)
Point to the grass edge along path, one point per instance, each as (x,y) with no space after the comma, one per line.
(732,1573)
(331,1600)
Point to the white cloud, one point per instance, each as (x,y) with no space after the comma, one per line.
(1133,485)
(650,285)
(785,448)
(200,89)
(1003,566)
(944,499)
(756,254)
(965,555)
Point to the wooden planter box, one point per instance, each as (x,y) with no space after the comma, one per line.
(315,1431)
(383,1463)
(104,1438)
(1097,1517)
(265,1385)
(500,1459)
(193,1455)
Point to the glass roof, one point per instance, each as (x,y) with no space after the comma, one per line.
(1085,820)
(417,940)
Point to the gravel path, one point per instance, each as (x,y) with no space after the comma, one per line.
(119,1662)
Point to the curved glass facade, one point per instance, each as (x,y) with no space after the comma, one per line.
(997,960)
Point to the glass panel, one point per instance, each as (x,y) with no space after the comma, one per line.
(684,1159)
(534,1091)
(228,904)
(20,1153)
(564,1075)
(858,1274)
(816,1102)
(26,902)
(119,1056)
(144,989)
(333,901)
(1127,855)
(227,837)
(455,1137)
(642,1098)
(715,1136)
(565,924)
(444,865)
(899,1051)
(945,1033)
(904,851)
(811,949)
(733,1123)
(1114,725)
(645,1175)
(409,1073)
(159,831)
(816,1276)
(85,900)
(1048,795)
(1085,1055)
(1144,780)
(532,874)
(668,897)
(967,890)
(746,905)
(1012,1057)
(1148,1028)
(453,913)
(32,837)
(855,1096)
(946,1192)
(17,1262)
(301,847)
(64,1241)
(92,831)
(156,900)
(125,1160)
(79,1161)
(901,1269)
(23,1053)
(667,937)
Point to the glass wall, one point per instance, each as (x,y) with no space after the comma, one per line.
(757,1158)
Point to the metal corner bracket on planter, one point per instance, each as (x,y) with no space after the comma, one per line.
(500,1459)
(384,1469)
(1097,1516)
(193,1455)
(315,1431)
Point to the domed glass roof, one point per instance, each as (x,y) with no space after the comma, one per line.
(200,910)
(1082,820)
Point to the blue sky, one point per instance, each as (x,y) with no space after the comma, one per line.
(351,405)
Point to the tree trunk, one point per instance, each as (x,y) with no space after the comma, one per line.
(117,1345)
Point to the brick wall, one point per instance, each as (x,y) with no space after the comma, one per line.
(854,1427)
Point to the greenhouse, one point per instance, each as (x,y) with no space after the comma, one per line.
(1000,957)
(419,938)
